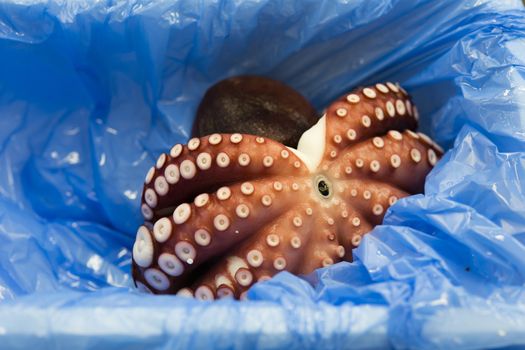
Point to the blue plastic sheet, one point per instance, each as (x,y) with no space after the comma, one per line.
(92,92)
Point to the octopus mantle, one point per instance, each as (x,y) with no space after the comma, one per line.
(226,211)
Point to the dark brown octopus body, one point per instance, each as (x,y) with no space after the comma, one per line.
(228,210)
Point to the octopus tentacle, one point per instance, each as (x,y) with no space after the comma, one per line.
(367,112)
(351,231)
(324,247)
(279,245)
(212,161)
(370,199)
(199,231)
(393,159)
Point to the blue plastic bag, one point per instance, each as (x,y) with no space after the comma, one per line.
(91,93)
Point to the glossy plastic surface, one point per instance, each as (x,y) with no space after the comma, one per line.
(92,92)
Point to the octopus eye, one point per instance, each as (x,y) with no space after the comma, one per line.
(323,187)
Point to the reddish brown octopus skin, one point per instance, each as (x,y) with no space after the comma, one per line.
(230,210)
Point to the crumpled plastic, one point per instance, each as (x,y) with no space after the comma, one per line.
(92,92)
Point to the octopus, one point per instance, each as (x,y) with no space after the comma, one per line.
(228,210)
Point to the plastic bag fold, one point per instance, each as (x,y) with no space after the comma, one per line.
(92,92)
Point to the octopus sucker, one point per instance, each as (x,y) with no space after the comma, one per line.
(215,139)
(341,112)
(378,112)
(143,248)
(415,155)
(156,279)
(171,174)
(377,209)
(223,160)
(396,135)
(146,211)
(224,291)
(254,258)
(378,142)
(170,264)
(390,109)
(369,92)
(182,213)
(242,211)
(279,263)
(272,240)
(228,210)
(382,88)
(296,242)
(176,151)
(327,261)
(266,200)
(161,186)
(392,86)
(149,175)
(161,160)
(204,293)
(235,138)
(395,161)
(187,169)
(221,222)
(267,161)
(193,144)
(202,237)
(244,277)
(224,193)
(185,292)
(201,200)
(356,239)
(186,252)
(224,287)
(204,161)
(340,251)
(162,230)
(150,197)
(432,157)
(353,98)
